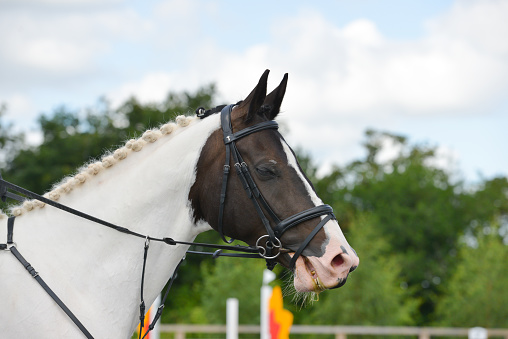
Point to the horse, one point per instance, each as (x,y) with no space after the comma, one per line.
(172,181)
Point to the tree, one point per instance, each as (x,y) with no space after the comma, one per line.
(418,209)
(10,142)
(476,294)
(403,215)
(70,141)
(231,278)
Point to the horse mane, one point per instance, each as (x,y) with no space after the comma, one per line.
(93,168)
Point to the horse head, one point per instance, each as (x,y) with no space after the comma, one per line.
(267,201)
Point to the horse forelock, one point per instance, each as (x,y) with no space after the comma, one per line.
(107,161)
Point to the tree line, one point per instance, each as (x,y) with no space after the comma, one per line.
(433,250)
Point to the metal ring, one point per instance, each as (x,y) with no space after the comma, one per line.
(263,254)
(9,245)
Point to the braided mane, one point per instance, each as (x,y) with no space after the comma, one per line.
(87,171)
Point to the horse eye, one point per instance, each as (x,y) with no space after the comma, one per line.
(266,172)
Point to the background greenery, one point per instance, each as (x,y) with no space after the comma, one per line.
(433,249)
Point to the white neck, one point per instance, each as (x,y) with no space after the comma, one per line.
(95,270)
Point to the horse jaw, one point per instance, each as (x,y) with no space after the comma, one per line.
(315,274)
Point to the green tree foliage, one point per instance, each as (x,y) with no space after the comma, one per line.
(70,140)
(10,142)
(488,200)
(476,293)
(373,294)
(402,214)
(419,210)
(231,278)
(417,207)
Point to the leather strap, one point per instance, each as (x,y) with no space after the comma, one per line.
(163,301)
(292,221)
(168,241)
(307,240)
(4,193)
(69,209)
(142,303)
(243,173)
(10,230)
(230,137)
(48,290)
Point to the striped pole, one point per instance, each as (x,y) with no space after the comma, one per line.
(155,333)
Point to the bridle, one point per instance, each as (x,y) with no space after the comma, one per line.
(272,237)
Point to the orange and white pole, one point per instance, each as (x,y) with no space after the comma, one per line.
(266,292)
(155,333)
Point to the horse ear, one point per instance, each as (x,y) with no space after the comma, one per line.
(256,98)
(274,99)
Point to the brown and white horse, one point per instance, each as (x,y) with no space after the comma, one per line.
(167,183)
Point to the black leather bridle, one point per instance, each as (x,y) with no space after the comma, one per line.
(272,238)
(273,235)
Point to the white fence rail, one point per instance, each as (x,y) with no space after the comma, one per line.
(340,332)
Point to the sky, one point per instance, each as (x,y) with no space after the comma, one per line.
(435,71)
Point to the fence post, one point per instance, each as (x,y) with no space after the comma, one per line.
(266,292)
(424,334)
(180,335)
(232,318)
(340,336)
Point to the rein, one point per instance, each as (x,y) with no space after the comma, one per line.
(4,185)
(10,245)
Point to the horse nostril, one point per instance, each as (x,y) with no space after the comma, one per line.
(337,260)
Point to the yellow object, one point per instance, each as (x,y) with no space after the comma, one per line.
(280,319)
(146,323)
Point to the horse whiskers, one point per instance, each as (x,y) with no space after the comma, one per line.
(301,299)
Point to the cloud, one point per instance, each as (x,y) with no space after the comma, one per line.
(342,79)
(21,109)
(355,69)
(345,79)
(351,70)
(152,88)
(62,42)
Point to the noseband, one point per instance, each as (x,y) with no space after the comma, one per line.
(272,237)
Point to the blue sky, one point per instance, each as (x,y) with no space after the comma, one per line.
(435,71)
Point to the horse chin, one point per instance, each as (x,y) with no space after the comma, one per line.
(310,276)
